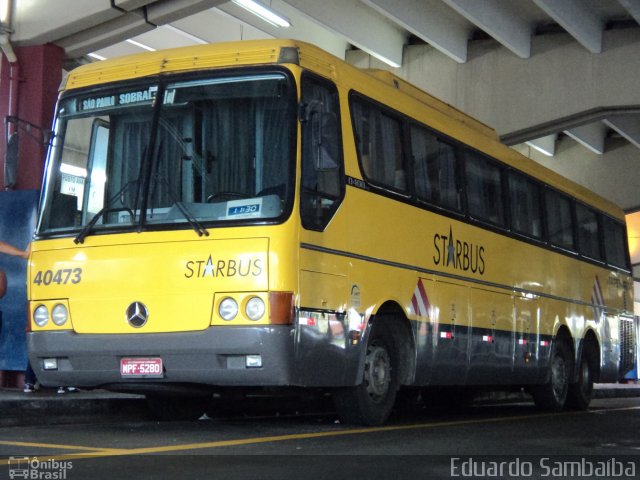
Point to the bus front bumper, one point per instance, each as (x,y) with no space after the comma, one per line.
(217,356)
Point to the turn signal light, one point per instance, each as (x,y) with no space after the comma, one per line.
(281,311)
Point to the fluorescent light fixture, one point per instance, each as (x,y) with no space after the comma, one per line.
(141,45)
(96,56)
(5,13)
(264,13)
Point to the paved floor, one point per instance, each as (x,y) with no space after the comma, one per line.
(424,444)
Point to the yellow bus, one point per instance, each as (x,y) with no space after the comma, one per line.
(262,215)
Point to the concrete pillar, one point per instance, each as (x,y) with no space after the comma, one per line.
(28,91)
(32,85)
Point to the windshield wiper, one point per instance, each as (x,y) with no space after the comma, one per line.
(186,213)
(193,221)
(89,226)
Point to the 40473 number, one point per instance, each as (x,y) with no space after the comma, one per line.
(59,277)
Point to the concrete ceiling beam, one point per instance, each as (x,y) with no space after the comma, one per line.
(545,145)
(167,11)
(37,23)
(130,5)
(590,136)
(499,20)
(633,7)
(126,26)
(359,25)
(425,20)
(576,18)
(626,125)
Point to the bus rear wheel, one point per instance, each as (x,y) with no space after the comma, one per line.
(371,402)
(552,395)
(175,408)
(581,391)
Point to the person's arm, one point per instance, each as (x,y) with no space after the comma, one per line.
(16,252)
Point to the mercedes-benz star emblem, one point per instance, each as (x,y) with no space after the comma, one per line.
(137,314)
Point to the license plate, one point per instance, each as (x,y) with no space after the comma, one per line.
(141,367)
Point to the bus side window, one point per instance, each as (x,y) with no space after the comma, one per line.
(322,186)
(380,148)
(484,189)
(525,201)
(588,232)
(435,170)
(615,244)
(559,220)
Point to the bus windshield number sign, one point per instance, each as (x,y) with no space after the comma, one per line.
(244,210)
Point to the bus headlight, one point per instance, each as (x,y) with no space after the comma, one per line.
(228,309)
(41,316)
(59,314)
(255,308)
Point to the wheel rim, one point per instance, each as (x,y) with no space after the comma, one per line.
(377,372)
(559,377)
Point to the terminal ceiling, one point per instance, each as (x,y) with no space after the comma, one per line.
(90,30)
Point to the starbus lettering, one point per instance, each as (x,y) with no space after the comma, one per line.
(223,268)
(458,254)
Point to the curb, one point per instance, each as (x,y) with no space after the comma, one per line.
(70,408)
(19,409)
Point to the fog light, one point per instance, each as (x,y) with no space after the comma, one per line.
(255,308)
(59,314)
(254,361)
(41,316)
(228,309)
(50,364)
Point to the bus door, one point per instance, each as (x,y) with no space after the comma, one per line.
(527,316)
(492,345)
(323,330)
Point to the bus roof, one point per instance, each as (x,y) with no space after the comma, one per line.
(431,101)
(252,52)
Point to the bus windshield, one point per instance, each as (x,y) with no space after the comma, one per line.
(182,152)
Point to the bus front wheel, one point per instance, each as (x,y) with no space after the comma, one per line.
(552,395)
(370,402)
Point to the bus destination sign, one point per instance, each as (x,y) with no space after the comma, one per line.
(136,97)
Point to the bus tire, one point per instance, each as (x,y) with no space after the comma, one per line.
(176,408)
(581,392)
(371,402)
(552,395)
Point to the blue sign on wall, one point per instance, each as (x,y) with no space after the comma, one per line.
(17,223)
